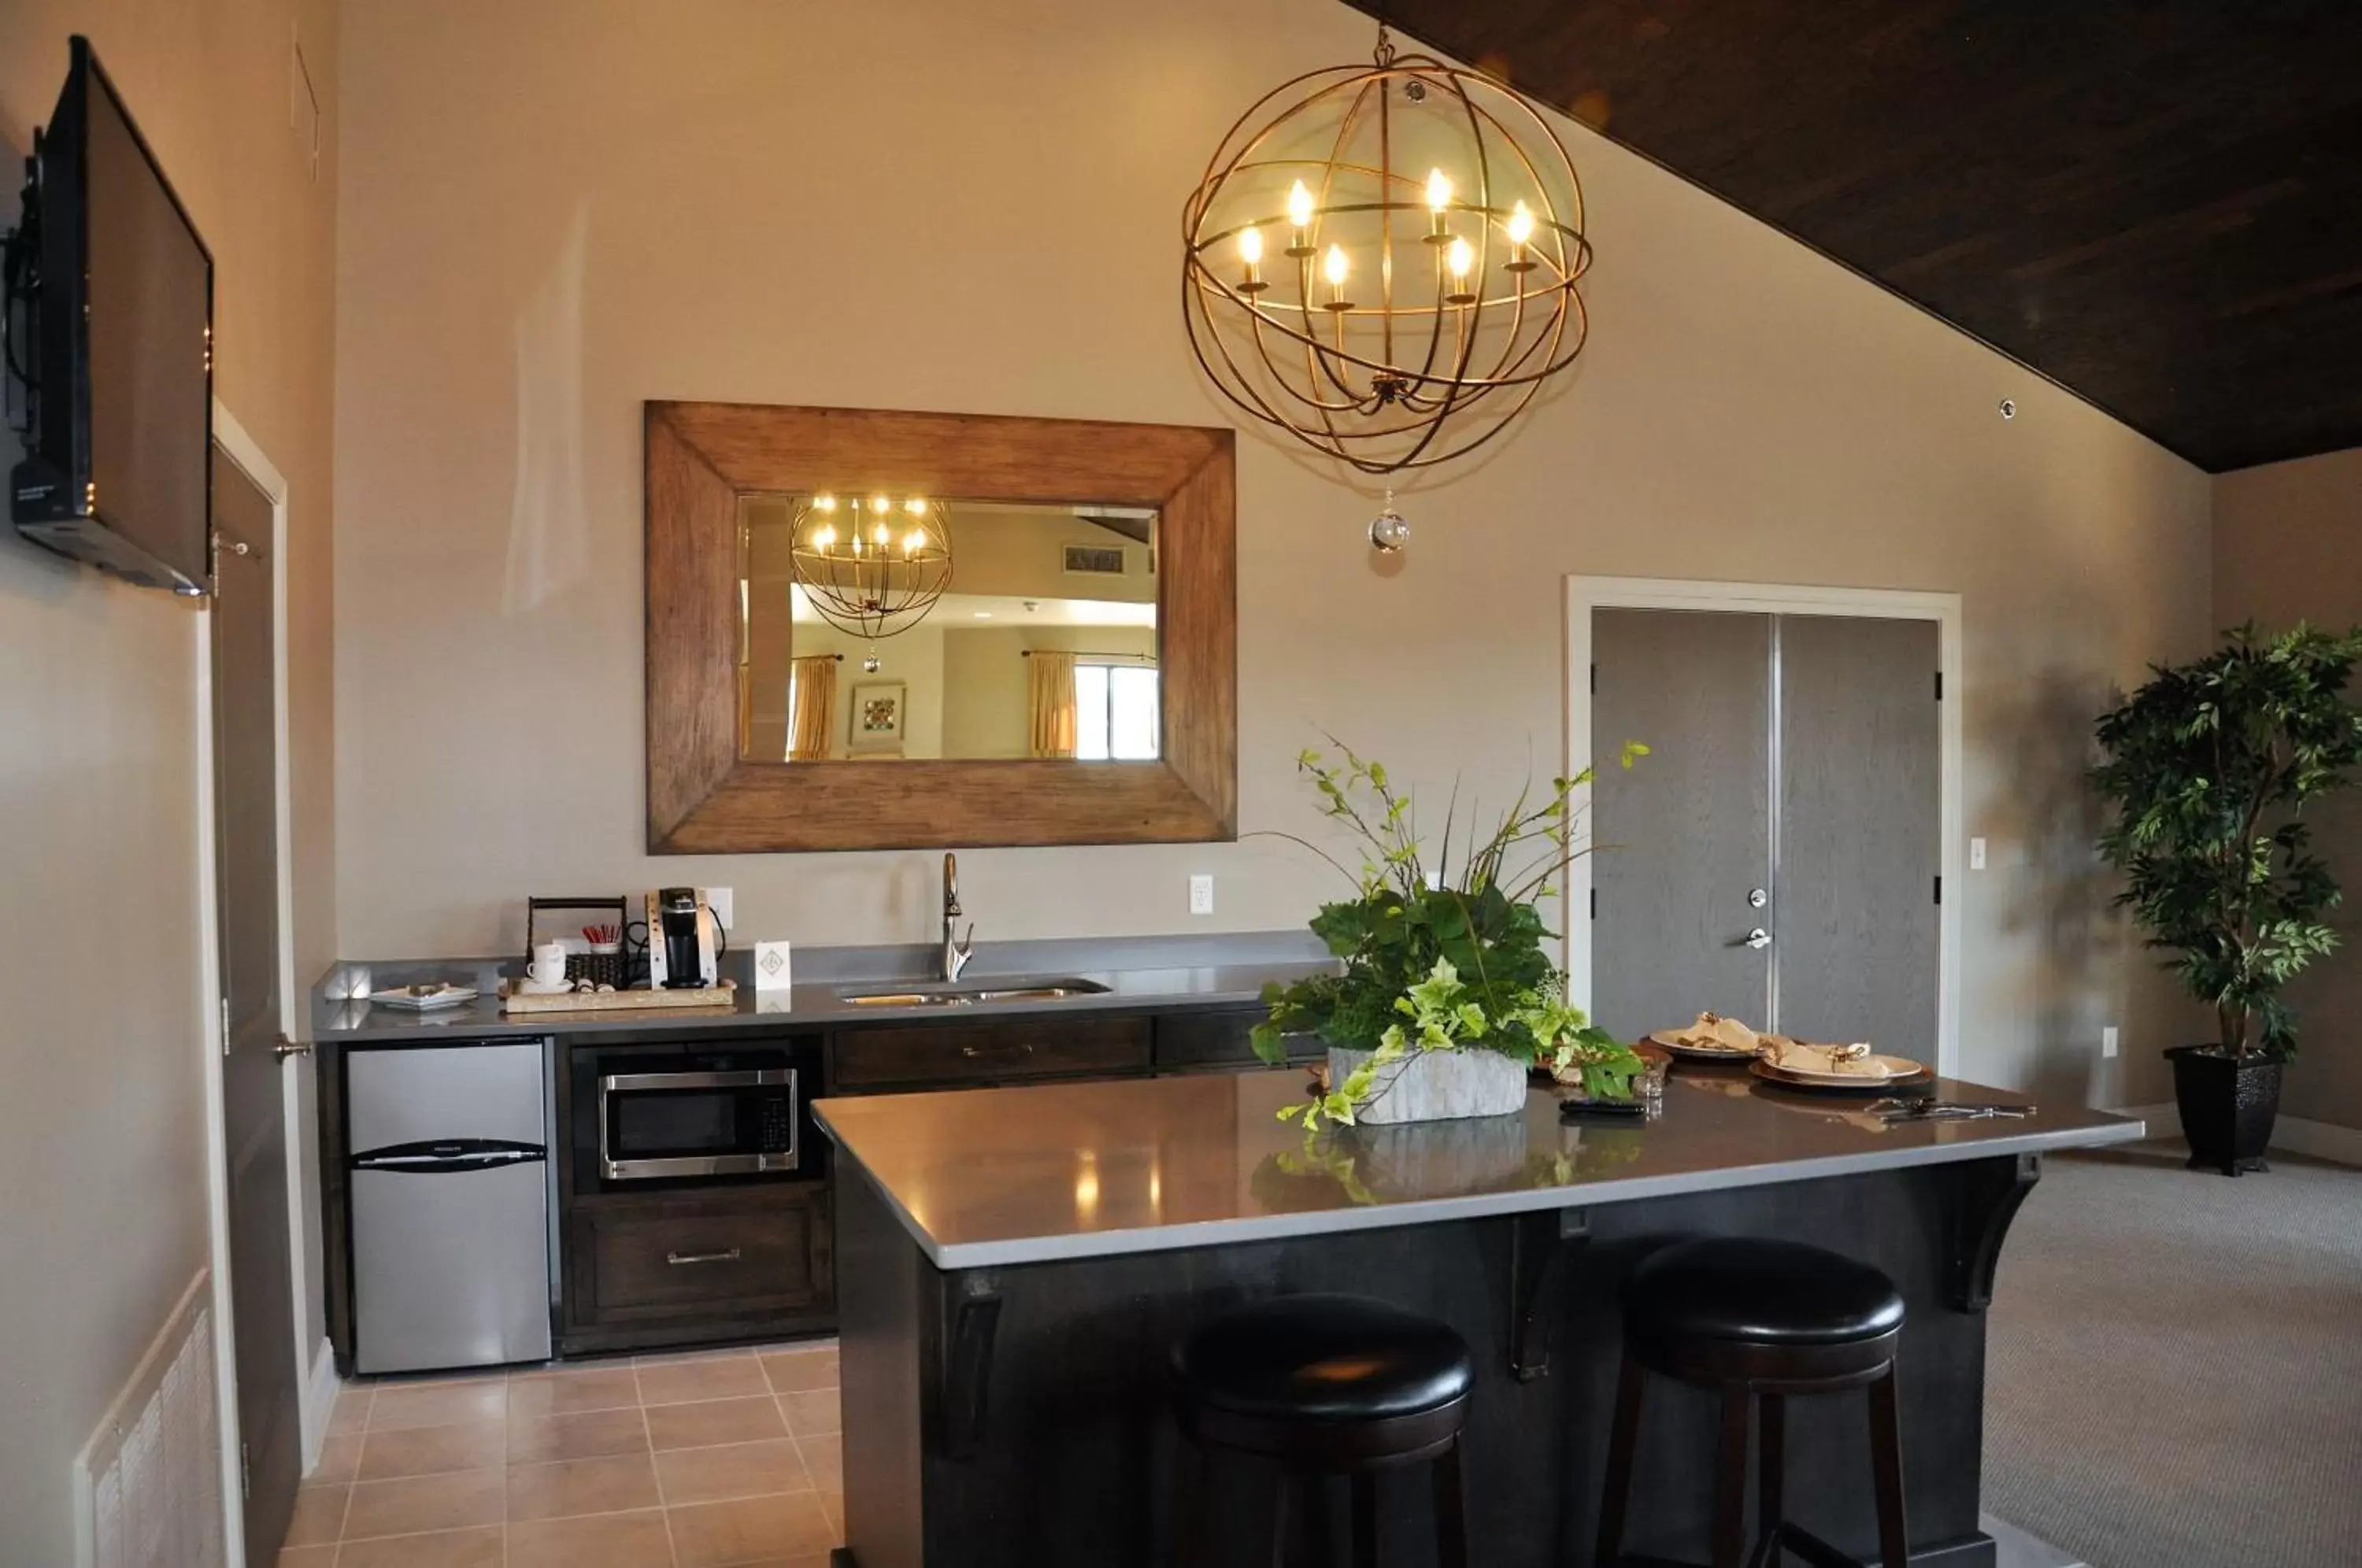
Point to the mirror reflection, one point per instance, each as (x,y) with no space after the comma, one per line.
(879,626)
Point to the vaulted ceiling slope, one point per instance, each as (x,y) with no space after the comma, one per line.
(2156,203)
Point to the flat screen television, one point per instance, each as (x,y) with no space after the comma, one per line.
(119,287)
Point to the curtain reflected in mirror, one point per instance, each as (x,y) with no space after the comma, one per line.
(1044,644)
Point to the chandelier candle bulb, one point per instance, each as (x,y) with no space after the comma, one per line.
(1458,257)
(1521,232)
(1438,206)
(1299,218)
(1250,256)
(1335,267)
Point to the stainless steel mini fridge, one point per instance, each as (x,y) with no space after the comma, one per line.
(450,1205)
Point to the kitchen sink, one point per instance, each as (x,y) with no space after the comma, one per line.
(984,991)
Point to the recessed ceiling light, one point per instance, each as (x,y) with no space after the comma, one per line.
(984,614)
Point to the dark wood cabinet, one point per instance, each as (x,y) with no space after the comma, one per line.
(961,1055)
(728,1264)
(1215,1040)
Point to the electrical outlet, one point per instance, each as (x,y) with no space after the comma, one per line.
(1976,854)
(2108,1041)
(724,906)
(1201,893)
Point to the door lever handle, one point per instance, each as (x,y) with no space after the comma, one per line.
(286,1048)
(1758,939)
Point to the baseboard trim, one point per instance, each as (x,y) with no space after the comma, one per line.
(319,1404)
(2322,1140)
(2292,1134)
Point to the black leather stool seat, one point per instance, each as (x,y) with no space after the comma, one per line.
(1324,1358)
(1753,1291)
(1324,1387)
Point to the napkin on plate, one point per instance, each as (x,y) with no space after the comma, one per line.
(1712,1032)
(1800,1057)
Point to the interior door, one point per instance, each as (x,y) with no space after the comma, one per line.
(1683,839)
(1775,857)
(1860,831)
(246,806)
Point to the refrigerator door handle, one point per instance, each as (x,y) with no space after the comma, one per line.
(442,1154)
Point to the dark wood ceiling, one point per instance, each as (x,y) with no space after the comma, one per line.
(2156,203)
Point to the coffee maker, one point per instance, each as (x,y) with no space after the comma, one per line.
(685,942)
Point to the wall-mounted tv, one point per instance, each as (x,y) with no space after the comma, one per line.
(115,293)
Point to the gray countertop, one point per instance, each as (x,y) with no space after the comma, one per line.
(1014,1176)
(1139,972)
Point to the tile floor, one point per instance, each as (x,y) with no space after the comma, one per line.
(728,1457)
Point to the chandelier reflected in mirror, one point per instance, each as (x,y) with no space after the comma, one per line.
(1382,260)
(871,565)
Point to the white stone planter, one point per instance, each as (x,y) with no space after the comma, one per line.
(1436,1086)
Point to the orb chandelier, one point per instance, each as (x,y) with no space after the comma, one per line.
(871,565)
(1382,260)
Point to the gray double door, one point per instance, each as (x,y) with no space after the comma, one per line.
(1776,857)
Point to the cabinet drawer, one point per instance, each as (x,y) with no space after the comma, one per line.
(1219,1039)
(1019,1048)
(763,1252)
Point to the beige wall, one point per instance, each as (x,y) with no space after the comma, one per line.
(2288,547)
(102,1120)
(939,205)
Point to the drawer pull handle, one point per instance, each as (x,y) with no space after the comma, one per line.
(1024,1048)
(677,1259)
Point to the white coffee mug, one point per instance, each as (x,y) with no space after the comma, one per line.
(548,967)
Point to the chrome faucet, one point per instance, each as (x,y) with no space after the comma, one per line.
(955,954)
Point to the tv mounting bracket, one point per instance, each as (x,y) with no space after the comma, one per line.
(20,294)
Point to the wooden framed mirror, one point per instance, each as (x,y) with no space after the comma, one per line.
(1103,555)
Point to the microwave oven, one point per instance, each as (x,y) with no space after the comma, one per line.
(701,1115)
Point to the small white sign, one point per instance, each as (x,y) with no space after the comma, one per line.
(771,967)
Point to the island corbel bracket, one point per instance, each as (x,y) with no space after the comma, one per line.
(1542,1248)
(1986,1202)
(967,1320)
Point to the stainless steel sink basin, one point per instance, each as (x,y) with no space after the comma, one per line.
(1015,990)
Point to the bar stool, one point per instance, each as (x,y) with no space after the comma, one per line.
(1326,1385)
(1760,1320)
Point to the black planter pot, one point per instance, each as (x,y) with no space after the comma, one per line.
(2228,1107)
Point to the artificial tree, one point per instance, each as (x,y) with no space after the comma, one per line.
(2210,767)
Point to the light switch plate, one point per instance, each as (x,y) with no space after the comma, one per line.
(2108,1041)
(1201,893)
(1976,854)
(724,903)
(773,972)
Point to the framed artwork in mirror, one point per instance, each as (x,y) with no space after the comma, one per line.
(875,717)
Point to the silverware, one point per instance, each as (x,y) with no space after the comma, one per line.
(1894,1110)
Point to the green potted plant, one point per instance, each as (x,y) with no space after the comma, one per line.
(1446,999)
(2208,768)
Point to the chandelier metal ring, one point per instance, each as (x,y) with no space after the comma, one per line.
(1401,324)
(871,565)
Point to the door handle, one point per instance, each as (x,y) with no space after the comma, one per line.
(1759,939)
(286,1048)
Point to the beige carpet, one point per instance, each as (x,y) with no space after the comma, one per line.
(2176,1365)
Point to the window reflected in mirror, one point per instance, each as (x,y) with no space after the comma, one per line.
(1037,638)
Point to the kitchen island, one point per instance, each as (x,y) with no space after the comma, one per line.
(1014,1266)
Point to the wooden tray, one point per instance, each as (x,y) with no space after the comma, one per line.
(618,1001)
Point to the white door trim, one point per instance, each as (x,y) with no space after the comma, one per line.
(1584,594)
(242,450)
